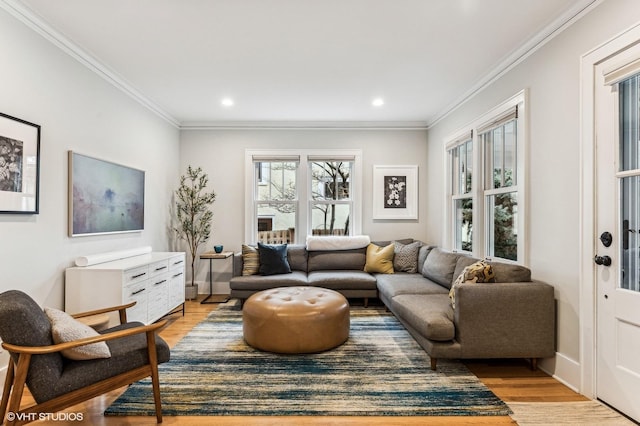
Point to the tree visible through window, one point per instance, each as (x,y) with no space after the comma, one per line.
(330,197)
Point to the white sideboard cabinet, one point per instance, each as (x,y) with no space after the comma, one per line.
(155,281)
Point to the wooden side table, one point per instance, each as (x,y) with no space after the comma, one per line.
(211,255)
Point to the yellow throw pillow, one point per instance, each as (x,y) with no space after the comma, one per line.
(250,260)
(379,259)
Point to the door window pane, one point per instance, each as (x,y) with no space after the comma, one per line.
(502,238)
(629,123)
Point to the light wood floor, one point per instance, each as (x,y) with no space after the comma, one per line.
(510,380)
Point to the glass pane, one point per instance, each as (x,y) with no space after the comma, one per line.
(276,180)
(464,224)
(629,123)
(330,180)
(502,235)
(510,154)
(463,168)
(455,174)
(276,223)
(487,142)
(469,174)
(498,143)
(330,219)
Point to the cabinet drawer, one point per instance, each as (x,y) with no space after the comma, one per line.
(138,293)
(158,267)
(134,275)
(176,262)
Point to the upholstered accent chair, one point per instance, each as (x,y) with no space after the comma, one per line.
(56,382)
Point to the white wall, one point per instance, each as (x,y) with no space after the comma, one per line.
(221,154)
(552,76)
(78,111)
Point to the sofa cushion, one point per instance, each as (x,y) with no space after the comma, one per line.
(391,285)
(430,314)
(463,261)
(264,282)
(440,266)
(422,256)
(342,280)
(297,257)
(273,259)
(405,256)
(250,260)
(379,259)
(510,273)
(336,260)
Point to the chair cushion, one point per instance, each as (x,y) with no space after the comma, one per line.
(127,354)
(273,259)
(65,328)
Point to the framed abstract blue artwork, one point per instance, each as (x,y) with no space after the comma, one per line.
(104,197)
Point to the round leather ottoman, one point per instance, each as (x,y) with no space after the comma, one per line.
(295,320)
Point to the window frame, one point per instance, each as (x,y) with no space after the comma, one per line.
(303,186)
(514,107)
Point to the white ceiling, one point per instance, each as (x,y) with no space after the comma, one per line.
(298,61)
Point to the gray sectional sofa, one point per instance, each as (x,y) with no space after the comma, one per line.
(513,317)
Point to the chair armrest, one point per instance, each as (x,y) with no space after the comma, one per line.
(122,309)
(505,320)
(39,350)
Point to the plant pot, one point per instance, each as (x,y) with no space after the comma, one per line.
(190,292)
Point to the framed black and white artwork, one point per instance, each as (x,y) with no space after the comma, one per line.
(395,192)
(19,166)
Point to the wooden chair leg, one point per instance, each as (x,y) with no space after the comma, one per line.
(155,379)
(19,381)
(434,361)
(8,382)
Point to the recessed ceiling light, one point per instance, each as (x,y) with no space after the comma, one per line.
(227,102)
(378,102)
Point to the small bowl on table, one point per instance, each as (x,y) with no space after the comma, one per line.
(218,249)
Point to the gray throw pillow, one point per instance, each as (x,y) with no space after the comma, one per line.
(406,257)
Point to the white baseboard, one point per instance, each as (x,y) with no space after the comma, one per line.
(563,369)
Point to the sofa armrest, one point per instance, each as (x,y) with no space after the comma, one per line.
(237,264)
(505,320)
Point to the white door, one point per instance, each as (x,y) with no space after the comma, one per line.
(617,263)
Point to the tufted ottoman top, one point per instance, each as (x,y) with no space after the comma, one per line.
(296,319)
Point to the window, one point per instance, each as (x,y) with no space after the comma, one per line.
(461,159)
(330,202)
(501,190)
(486,208)
(290,201)
(276,197)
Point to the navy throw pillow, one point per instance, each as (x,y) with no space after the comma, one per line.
(273,259)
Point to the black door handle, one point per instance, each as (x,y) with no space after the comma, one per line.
(602,260)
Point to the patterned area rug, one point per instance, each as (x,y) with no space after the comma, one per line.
(379,371)
(566,413)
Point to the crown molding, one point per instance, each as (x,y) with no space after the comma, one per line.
(577,11)
(25,15)
(305,125)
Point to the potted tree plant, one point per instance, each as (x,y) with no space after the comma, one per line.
(194,217)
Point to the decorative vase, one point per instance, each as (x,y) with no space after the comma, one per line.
(218,249)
